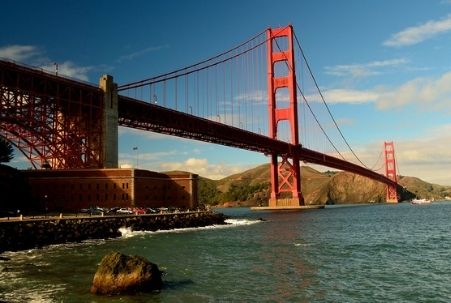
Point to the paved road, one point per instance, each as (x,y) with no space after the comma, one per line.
(84,216)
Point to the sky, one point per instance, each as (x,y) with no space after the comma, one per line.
(384,67)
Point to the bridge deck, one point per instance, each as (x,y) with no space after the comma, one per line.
(151,117)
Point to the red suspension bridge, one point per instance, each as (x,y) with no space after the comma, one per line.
(260,96)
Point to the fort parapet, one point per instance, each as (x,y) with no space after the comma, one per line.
(74,189)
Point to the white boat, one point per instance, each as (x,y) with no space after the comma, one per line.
(420,201)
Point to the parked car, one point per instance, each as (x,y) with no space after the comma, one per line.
(163,209)
(139,210)
(113,210)
(124,211)
(92,210)
(151,210)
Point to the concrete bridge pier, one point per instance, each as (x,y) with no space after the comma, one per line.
(110,122)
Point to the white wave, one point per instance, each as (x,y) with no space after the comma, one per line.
(127,232)
(302,244)
(241,221)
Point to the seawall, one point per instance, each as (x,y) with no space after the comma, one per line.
(35,233)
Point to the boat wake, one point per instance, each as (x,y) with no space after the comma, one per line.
(421,201)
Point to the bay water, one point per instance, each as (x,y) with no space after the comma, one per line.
(369,253)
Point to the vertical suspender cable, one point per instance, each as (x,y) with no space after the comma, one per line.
(231,88)
(324,101)
(186,93)
(225,92)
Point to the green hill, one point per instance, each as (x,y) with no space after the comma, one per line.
(252,187)
(424,189)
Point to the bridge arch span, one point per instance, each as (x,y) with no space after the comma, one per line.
(52,120)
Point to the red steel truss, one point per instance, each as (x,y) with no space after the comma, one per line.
(390,171)
(55,122)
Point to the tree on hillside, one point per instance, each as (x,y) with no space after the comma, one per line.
(244,191)
(6,151)
(207,192)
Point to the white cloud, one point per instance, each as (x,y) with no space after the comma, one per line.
(147,156)
(342,95)
(139,53)
(69,69)
(149,135)
(363,69)
(427,92)
(31,54)
(18,52)
(416,34)
(203,168)
(349,96)
(427,157)
(257,96)
(430,93)
(143,159)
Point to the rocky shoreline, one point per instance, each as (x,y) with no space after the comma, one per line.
(36,233)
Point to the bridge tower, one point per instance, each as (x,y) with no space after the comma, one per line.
(109,122)
(285,176)
(390,171)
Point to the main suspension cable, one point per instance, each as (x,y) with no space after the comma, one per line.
(151,79)
(377,162)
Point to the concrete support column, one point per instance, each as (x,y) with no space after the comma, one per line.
(110,122)
(132,186)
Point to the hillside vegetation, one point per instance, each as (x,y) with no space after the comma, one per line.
(252,187)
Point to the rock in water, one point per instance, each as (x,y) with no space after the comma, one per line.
(118,273)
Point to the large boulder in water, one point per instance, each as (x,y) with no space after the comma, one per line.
(118,273)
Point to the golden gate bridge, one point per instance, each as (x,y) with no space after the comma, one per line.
(260,96)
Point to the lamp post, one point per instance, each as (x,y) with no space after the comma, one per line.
(46,205)
(136,149)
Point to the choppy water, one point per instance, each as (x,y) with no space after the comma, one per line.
(378,253)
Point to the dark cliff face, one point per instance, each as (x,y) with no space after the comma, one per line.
(341,188)
(317,188)
(350,188)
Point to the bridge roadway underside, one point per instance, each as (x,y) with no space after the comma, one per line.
(151,117)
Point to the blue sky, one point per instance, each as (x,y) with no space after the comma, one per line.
(384,66)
